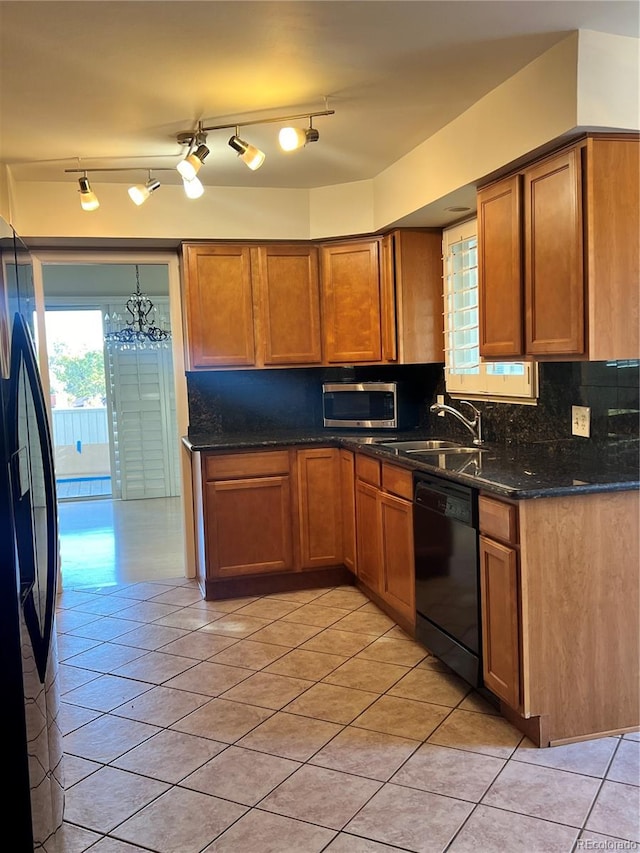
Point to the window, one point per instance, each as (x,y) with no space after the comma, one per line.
(466,374)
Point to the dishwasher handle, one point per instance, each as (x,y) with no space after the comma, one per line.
(447,499)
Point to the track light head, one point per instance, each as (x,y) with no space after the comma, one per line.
(88,199)
(141,192)
(293,138)
(193,188)
(190,166)
(250,155)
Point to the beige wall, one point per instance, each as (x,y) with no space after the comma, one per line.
(5,207)
(52,209)
(587,80)
(534,106)
(608,81)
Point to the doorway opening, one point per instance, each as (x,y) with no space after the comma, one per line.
(136,531)
(79,404)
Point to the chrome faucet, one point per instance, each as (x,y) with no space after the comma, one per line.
(474,426)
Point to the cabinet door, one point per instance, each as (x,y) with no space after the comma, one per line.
(388,298)
(219,306)
(500,621)
(554,283)
(347,478)
(500,269)
(289,304)
(319,507)
(368,538)
(398,567)
(416,315)
(613,266)
(350,278)
(249,526)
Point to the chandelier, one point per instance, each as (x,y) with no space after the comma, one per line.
(137,331)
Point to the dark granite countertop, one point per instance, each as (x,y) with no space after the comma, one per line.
(533,470)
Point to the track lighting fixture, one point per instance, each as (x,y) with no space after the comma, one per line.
(139,193)
(293,138)
(290,138)
(190,166)
(250,155)
(88,199)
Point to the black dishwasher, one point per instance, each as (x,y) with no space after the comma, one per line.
(445,533)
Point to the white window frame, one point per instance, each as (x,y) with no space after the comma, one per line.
(481,384)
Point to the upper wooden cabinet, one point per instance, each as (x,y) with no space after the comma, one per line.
(412,296)
(251,305)
(356,301)
(351,301)
(218,306)
(382,298)
(558,255)
(500,268)
(289,304)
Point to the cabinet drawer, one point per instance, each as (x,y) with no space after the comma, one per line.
(232,465)
(398,481)
(368,469)
(498,519)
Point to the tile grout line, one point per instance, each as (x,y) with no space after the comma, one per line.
(597,794)
(343,726)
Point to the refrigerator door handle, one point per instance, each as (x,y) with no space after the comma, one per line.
(34,493)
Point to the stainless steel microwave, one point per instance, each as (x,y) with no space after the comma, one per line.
(362,405)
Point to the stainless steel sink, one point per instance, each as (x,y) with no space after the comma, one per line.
(427,445)
(448,450)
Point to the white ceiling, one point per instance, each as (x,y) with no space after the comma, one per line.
(112,83)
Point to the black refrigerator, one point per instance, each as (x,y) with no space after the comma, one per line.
(30,701)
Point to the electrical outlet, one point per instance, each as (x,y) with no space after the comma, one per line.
(581,421)
(440,402)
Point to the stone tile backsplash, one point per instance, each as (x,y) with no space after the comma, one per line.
(610,389)
(257,400)
(221,402)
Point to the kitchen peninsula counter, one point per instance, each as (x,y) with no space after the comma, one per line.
(558,552)
(515,471)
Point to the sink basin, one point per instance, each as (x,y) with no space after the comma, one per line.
(466,460)
(426,445)
(447,450)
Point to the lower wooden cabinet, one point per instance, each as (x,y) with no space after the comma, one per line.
(249,526)
(560,591)
(398,569)
(500,620)
(270,512)
(248,514)
(348,490)
(500,598)
(319,507)
(368,535)
(384,525)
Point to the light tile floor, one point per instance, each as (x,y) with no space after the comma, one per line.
(304,722)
